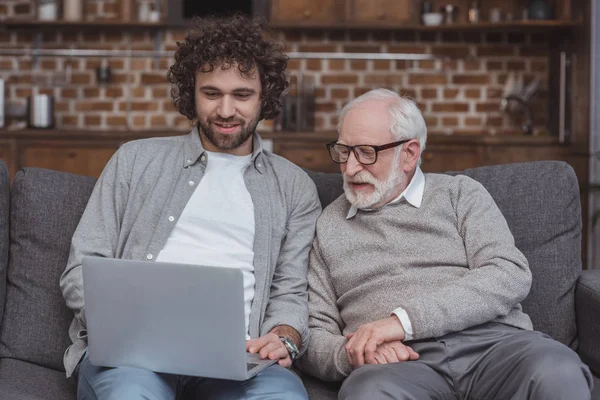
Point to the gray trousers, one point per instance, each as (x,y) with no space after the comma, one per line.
(489,361)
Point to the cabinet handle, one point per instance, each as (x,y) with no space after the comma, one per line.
(307,14)
(309,159)
(71,154)
(428,156)
(380,15)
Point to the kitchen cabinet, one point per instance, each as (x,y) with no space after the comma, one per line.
(377,11)
(6,154)
(405,14)
(311,155)
(80,157)
(322,12)
(451,157)
(86,153)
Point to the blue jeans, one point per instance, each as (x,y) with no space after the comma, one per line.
(100,383)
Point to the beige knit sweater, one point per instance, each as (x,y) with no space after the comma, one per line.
(451,264)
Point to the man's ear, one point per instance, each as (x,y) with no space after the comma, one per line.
(413,151)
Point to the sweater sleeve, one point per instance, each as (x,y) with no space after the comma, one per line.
(98,230)
(288,303)
(326,356)
(497,279)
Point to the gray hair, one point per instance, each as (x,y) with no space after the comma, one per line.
(406,120)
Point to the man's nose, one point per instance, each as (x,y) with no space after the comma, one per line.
(352,165)
(226,107)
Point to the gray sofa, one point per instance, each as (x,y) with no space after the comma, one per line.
(38,216)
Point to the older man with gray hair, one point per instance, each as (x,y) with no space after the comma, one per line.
(415,280)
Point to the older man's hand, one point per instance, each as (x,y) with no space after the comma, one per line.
(392,352)
(363,343)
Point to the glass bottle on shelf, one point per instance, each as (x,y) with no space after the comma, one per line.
(72,10)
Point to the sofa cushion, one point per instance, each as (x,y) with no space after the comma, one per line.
(20,380)
(329,186)
(45,209)
(540,201)
(4,209)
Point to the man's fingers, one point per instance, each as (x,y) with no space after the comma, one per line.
(379,359)
(255,345)
(401,352)
(413,354)
(285,362)
(369,351)
(268,348)
(389,354)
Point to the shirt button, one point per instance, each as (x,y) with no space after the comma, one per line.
(191,183)
(203,158)
(149,256)
(188,161)
(259,165)
(171,218)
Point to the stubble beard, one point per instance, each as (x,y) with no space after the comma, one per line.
(231,141)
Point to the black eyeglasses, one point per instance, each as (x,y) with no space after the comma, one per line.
(365,154)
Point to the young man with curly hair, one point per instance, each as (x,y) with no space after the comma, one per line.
(212,197)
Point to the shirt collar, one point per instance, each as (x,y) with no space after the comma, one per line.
(193,150)
(413,194)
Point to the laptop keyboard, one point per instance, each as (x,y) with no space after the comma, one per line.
(250,366)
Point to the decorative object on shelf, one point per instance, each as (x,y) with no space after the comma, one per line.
(539,10)
(432,19)
(426,7)
(72,10)
(143,11)
(495,15)
(515,100)
(473,15)
(47,10)
(450,11)
(298,113)
(40,111)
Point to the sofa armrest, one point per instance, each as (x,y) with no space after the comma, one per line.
(587,308)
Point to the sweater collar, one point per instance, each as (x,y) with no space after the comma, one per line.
(413,194)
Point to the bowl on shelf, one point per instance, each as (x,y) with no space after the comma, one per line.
(432,19)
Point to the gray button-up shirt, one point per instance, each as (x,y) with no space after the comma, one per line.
(143,191)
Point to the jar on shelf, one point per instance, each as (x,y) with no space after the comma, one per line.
(72,10)
(47,10)
(143,10)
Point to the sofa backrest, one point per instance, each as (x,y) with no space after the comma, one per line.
(45,209)
(540,201)
(4,213)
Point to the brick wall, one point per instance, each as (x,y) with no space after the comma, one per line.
(460,94)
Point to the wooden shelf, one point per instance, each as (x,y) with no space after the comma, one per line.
(48,25)
(483,26)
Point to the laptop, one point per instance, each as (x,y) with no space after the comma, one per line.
(166,317)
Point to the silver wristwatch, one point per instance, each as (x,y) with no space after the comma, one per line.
(290,346)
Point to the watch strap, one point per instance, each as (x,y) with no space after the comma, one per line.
(290,346)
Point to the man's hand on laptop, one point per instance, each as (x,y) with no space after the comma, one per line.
(270,345)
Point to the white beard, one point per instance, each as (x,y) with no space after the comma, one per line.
(383,190)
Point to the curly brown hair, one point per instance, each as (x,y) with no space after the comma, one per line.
(223,42)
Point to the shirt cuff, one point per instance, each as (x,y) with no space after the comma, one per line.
(405,321)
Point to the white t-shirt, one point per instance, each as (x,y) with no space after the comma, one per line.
(216,227)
